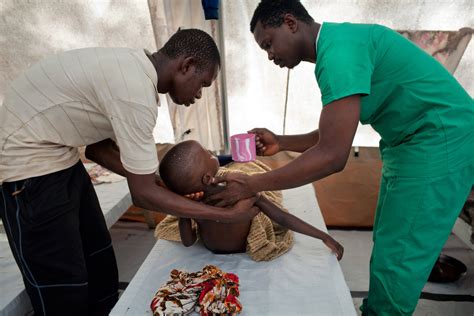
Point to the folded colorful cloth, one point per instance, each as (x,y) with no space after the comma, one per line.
(210,291)
(266,240)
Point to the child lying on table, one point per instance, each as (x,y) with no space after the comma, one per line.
(188,168)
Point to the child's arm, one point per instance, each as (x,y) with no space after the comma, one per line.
(188,235)
(295,224)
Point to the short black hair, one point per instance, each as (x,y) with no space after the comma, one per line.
(176,167)
(193,43)
(271,12)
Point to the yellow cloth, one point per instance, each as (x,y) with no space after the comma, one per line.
(266,240)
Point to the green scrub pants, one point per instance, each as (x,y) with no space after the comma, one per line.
(413,221)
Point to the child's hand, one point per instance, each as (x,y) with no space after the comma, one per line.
(334,246)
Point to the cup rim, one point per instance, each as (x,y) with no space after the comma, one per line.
(242,136)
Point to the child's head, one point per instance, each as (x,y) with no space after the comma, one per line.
(188,168)
(279,27)
(197,62)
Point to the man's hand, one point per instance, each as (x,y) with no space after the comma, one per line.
(243,210)
(266,141)
(336,247)
(236,189)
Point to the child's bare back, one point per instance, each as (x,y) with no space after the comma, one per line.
(223,238)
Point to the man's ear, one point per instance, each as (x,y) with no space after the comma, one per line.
(188,64)
(207,178)
(291,22)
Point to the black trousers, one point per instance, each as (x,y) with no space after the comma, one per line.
(57,233)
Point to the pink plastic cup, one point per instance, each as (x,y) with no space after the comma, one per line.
(243,147)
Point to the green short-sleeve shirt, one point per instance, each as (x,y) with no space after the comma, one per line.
(423,115)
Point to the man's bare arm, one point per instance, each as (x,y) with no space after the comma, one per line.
(337,126)
(106,153)
(268,143)
(298,143)
(147,194)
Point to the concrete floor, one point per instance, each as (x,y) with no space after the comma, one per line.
(355,266)
(132,242)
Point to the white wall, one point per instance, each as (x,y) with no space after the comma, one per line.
(256,87)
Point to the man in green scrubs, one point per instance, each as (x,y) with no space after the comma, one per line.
(423,115)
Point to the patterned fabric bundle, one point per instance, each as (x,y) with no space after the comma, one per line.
(210,292)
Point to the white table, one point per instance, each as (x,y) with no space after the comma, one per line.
(306,281)
(114,200)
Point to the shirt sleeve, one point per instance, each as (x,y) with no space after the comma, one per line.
(344,69)
(133,126)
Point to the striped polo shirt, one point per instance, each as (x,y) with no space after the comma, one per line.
(78,98)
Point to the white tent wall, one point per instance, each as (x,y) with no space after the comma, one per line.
(30,30)
(203,120)
(256,87)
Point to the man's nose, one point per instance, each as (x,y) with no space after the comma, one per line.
(199,94)
(270,56)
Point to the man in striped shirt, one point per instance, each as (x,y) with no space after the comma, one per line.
(105,99)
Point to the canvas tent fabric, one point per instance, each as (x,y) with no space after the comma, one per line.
(255,89)
(202,121)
